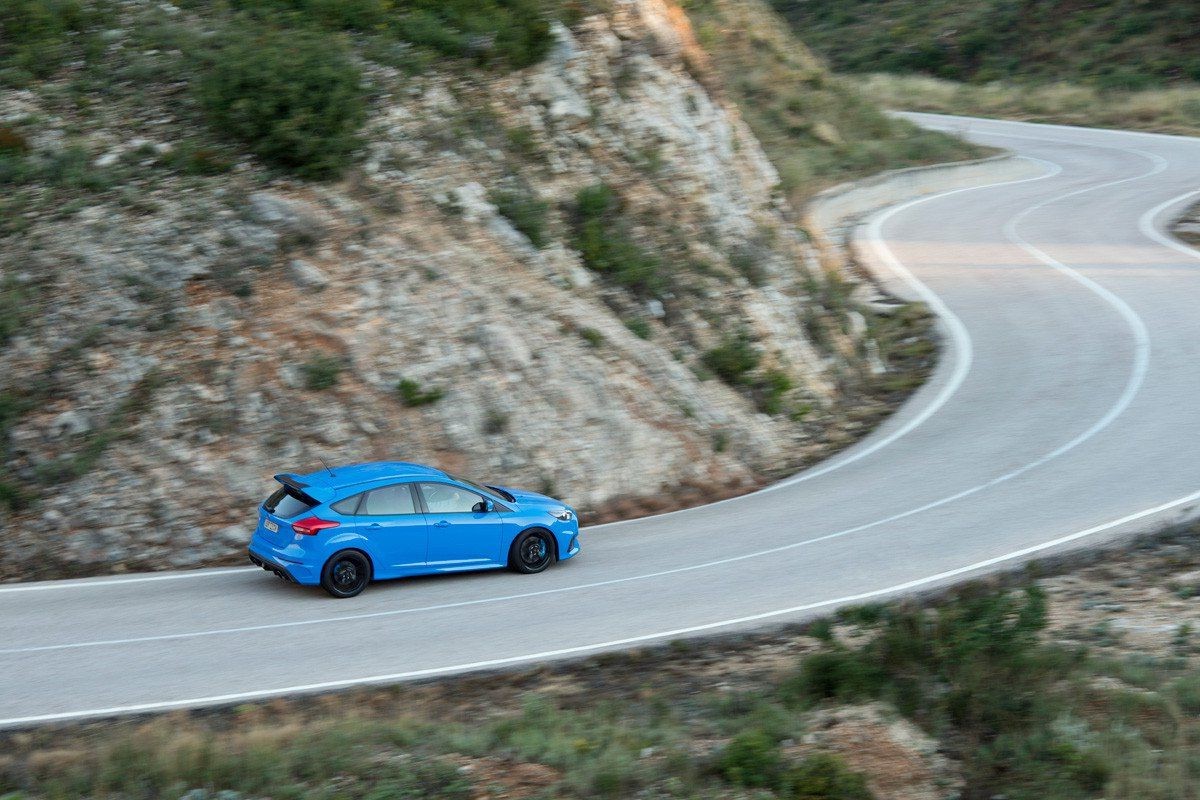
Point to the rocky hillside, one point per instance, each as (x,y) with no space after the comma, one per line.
(576,274)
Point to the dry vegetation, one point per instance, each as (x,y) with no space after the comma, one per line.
(1167,110)
(1061,681)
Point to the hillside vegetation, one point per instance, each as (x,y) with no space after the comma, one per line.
(1172,109)
(1070,686)
(817,129)
(1112,44)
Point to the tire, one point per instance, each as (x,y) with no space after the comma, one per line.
(532,551)
(346,574)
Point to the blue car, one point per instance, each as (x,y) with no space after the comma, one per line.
(344,527)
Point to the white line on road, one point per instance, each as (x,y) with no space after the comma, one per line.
(475,666)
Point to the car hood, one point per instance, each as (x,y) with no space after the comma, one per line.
(526,498)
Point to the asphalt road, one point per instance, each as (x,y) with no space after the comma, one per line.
(1065,410)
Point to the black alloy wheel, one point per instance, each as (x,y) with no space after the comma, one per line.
(532,552)
(346,574)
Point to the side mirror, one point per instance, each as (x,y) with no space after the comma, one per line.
(482,507)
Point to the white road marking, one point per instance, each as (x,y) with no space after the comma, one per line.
(475,666)
(1147,227)
(93,583)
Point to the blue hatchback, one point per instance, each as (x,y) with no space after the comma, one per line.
(344,527)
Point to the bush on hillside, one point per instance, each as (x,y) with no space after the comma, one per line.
(603,238)
(515,33)
(295,98)
(37,37)
(733,359)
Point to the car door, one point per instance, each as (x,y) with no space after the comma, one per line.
(391,520)
(460,537)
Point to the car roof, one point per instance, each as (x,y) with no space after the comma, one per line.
(354,474)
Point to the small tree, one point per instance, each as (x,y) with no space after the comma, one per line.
(294,97)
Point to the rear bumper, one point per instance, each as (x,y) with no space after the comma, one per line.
(259,561)
(264,554)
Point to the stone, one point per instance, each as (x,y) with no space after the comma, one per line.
(71,423)
(307,275)
(295,219)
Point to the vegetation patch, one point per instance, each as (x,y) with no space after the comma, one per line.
(413,395)
(525,210)
(817,129)
(321,371)
(734,359)
(37,37)
(294,97)
(1172,109)
(1020,717)
(1113,44)
(511,33)
(603,237)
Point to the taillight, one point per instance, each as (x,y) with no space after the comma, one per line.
(310,525)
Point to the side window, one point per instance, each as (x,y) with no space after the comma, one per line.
(388,500)
(348,506)
(442,498)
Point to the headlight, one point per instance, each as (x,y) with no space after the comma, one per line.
(563,514)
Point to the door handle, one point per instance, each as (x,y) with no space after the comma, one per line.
(442,524)
(374,525)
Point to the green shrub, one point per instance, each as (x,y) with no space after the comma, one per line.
(1187,694)
(863,616)
(522,141)
(834,674)
(191,158)
(70,168)
(14,309)
(412,395)
(733,359)
(13,497)
(321,372)
(752,759)
(823,777)
(513,32)
(495,422)
(770,389)
(294,97)
(593,337)
(37,37)
(638,327)
(749,264)
(524,210)
(603,239)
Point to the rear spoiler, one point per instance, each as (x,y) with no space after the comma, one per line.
(292,483)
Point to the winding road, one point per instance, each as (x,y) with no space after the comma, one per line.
(1065,410)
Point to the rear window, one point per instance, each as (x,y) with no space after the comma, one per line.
(283,503)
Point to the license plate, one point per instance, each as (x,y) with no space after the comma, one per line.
(271,526)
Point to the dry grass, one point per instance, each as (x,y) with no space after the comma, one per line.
(1171,110)
(817,129)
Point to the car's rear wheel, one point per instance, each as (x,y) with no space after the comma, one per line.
(531,552)
(346,573)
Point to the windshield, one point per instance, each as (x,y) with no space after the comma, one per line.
(484,489)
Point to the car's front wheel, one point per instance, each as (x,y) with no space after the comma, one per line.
(346,573)
(531,552)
